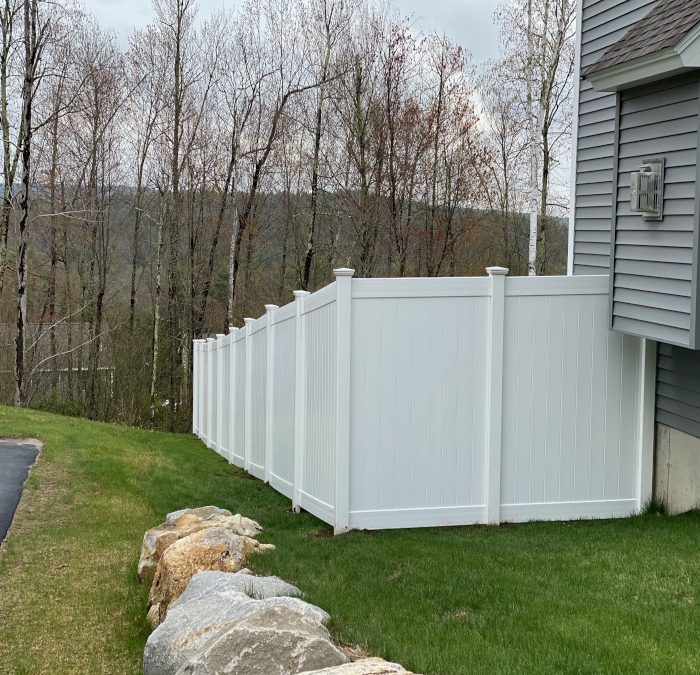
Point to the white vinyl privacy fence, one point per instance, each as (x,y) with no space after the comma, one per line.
(381,403)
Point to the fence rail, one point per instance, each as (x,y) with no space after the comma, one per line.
(381,403)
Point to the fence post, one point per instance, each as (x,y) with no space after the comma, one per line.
(343,280)
(269,387)
(299,397)
(232,394)
(219,392)
(494,398)
(646,416)
(248,393)
(210,391)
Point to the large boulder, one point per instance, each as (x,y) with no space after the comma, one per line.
(362,667)
(214,548)
(192,627)
(201,511)
(277,640)
(244,582)
(180,524)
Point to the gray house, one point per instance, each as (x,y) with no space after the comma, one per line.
(637,203)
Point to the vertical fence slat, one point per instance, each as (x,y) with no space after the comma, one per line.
(343,278)
(269,388)
(299,397)
(494,405)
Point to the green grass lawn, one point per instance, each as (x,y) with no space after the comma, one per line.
(585,597)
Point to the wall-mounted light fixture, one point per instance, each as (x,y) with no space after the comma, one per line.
(647,190)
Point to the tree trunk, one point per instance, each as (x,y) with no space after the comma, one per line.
(10,157)
(156,318)
(30,10)
(53,253)
(532,140)
(211,259)
(542,243)
(138,202)
(311,234)
(232,257)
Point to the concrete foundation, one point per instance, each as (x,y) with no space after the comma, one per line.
(676,469)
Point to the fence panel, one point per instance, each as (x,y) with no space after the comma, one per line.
(318,470)
(224,409)
(418,416)
(196,391)
(238,347)
(377,403)
(212,393)
(258,365)
(282,469)
(202,395)
(569,392)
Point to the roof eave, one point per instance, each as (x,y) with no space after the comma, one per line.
(652,67)
(645,69)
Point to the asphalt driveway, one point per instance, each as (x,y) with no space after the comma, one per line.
(15,459)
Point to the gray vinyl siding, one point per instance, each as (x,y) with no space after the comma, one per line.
(652,280)
(678,388)
(604,22)
(678,372)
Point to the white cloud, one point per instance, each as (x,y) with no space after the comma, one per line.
(469,23)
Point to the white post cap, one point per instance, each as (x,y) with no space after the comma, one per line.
(248,321)
(343,272)
(271,308)
(496,271)
(300,294)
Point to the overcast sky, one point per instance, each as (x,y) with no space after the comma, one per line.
(467,22)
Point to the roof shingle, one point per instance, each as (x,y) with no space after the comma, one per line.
(663,28)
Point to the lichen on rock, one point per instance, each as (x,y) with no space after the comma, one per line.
(214,548)
(182,523)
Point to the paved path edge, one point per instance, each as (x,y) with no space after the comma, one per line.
(9,502)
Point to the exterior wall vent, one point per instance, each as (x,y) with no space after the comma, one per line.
(647,190)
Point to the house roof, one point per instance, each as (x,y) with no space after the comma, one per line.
(662,30)
(665,43)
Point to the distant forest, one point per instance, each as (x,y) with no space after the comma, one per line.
(161,193)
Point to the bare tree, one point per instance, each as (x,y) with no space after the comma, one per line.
(11,138)
(540,56)
(163,193)
(330,19)
(501,176)
(36,30)
(146,76)
(283,60)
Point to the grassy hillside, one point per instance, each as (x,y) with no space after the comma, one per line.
(593,597)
